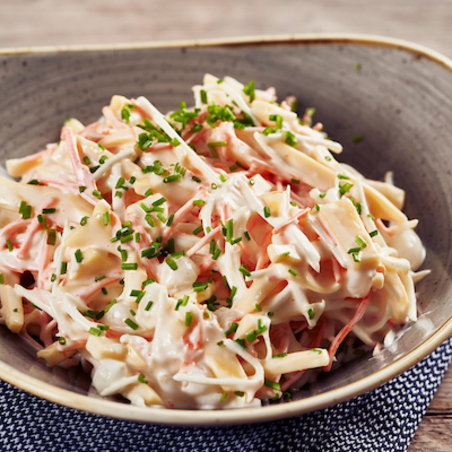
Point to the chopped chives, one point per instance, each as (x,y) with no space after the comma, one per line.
(216,255)
(175,142)
(99,278)
(213,246)
(188,318)
(244,270)
(171,263)
(360,241)
(311,313)
(267,212)
(137,237)
(161,217)
(232,329)
(51,210)
(129,266)
(198,230)
(97,194)
(106,218)
(150,220)
(173,178)
(51,237)
(124,255)
(9,245)
(126,238)
(247,235)
(86,160)
(63,269)
(33,182)
(215,144)
(79,256)
(317,207)
(131,323)
(373,233)
(132,180)
(199,202)
(81,189)
(258,307)
(223,178)
(196,179)
(148,281)
(281,355)
(95,331)
(149,305)
(203,96)
(142,379)
(229,230)
(148,192)
(110,306)
(239,393)
(62,340)
(170,220)
(272,384)
(2,278)
(104,291)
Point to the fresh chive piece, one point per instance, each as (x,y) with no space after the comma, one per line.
(199,202)
(161,217)
(316,350)
(272,384)
(103,159)
(281,355)
(170,220)
(250,337)
(198,230)
(188,318)
(239,393)
(267,212)
(290,138)
(83,221)
(2,278)
(317,207)
(221,344)
(311,313)
(124,255)
(237,240)
(137,237)
(216,254)
(9,245)
(214,186)
(106,218)
(232,168)
(148,281)
(342,176)
(159,201)
(229,230)
(244,270)
(33,182)
(354,250)
(175,142)
(171,263)
(131,324)
(247,235)
(148,192)
(63,269)
(132,180)
(81,189)
(360,241)
(126,238)
(172,178)
(129,266)
(196,128)
(196,179)
(110,306)
(200,286)
(258,307)
(232,329)
(149,305)
(132,312)
(99,278)
(95,331)
(104,291)
(150,221)
(344,188)
(79,256)
(373,233)
(142,379)
(86,160)
(203,96)
(249,90)
(62,340)
(51,237)
(50,210)
(97,194)
(170,246)
(293,272)
(125,113)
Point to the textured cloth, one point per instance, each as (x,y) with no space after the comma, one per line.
(383,420)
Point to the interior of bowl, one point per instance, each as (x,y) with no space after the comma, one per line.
(398,99)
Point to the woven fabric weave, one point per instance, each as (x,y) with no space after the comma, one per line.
(384,419)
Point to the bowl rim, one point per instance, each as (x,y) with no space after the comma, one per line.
(185,417)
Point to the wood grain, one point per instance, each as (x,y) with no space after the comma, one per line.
(54,22)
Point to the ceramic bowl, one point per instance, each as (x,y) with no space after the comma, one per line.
(396,95)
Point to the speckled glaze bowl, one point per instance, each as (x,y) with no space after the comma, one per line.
(398,96)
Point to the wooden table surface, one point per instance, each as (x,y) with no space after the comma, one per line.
(27,23)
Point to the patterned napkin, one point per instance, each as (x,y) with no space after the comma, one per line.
(382,420)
